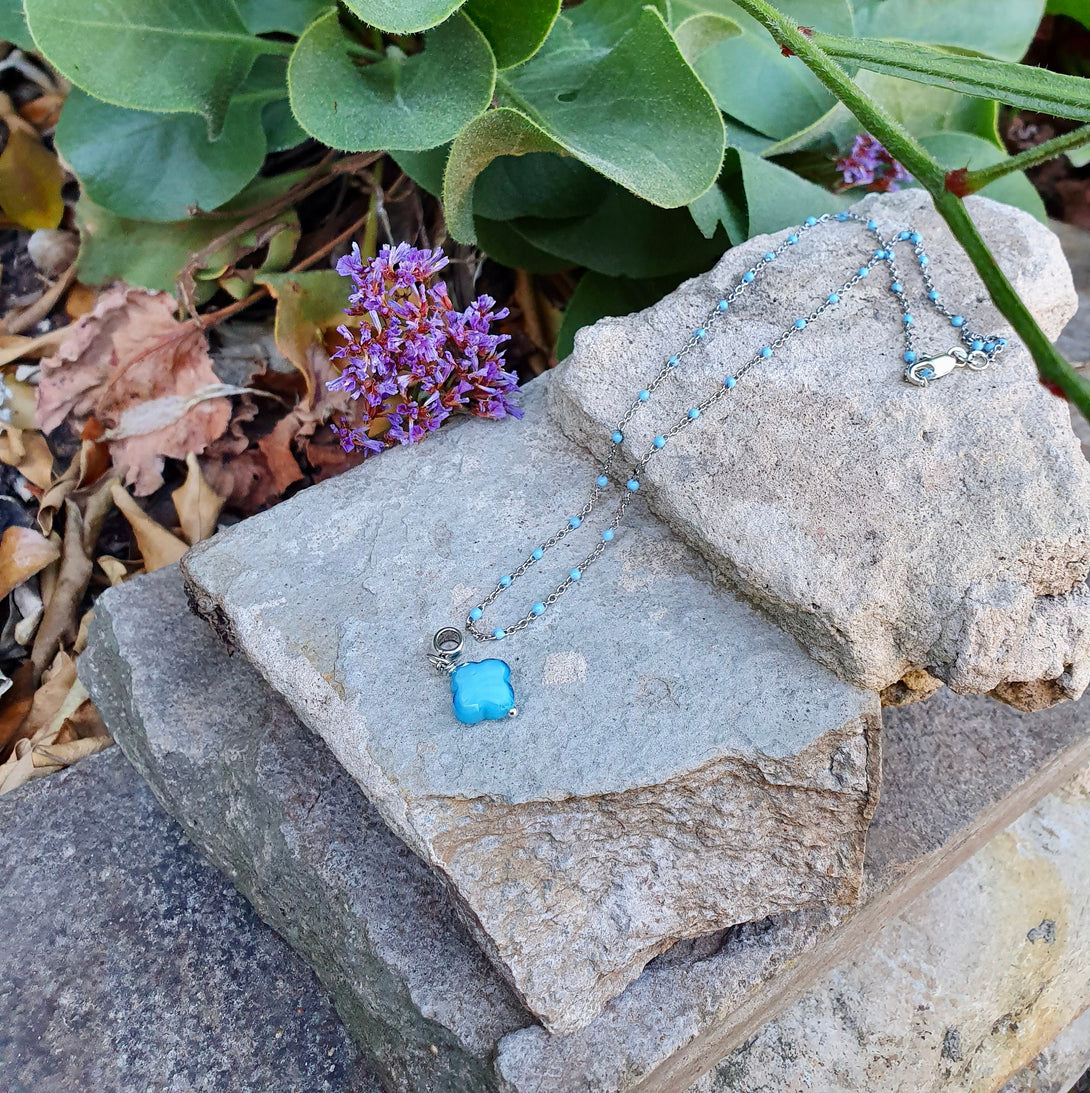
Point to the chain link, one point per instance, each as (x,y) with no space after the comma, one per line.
(982,348)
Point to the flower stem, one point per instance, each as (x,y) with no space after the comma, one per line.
(1054,371)
(1031,157)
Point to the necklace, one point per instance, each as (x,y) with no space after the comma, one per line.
(481,690)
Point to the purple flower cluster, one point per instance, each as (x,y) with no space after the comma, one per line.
(415,358)
(869,164)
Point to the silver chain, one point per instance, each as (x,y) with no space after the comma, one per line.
(979,353)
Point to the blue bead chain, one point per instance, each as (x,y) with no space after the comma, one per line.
(986,347)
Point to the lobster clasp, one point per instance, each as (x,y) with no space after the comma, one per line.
(923,371)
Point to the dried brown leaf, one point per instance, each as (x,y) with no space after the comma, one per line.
(158,547)
(129,351)
(28,453)
(23,552)
(114,568)
(196,503)
(59,621)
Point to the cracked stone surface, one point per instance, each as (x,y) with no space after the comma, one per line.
(131,964)
(678,764)
(269,804)
(893,530)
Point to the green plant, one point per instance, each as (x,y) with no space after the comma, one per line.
(637,141)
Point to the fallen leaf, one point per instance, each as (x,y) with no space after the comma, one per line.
(196,503)
(29,604)
(31,178)
(23,552)
(114,568)
(128,352)
(16,347)
(80,301)
(158,547)
(59,620)
(28,452)
(15,704)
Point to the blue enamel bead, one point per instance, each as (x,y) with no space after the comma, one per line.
(499,633)
(575,574)
(574,522)
(482,691)
(766,352)
(538,554)
(903,235)
(633,484)
(989,346)
(897,287)
(909,356)
(476,613)
(924,260)
(792,239)
(933,294)
(864,271)
(842,217)
(908,320)
(618,436)
(538,609)
(607,535)
(916,237)
(673,362)
(957,320)
(770,256)
(748,276)
(811,221)
(730,381)
(700,332)
(722,305)
(659,442)
(871,225)
(800,323)
(977,344)
(834,297)
(1001,342)
(880,254)
(643,396)
(602,481)
(505,581)
(693,414)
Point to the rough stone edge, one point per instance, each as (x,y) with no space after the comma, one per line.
(437,1050)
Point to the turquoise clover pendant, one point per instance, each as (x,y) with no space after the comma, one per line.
(481,690)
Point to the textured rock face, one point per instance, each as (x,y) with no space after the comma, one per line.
(133,965)
(957,991)
(268,803)
(678,763)
(891,529)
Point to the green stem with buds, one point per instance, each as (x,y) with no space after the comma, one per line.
(1031,157)
(1056,372)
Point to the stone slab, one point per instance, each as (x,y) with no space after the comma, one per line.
(272,807)
(678,764)
(955,993)
(130,964)
(894,531)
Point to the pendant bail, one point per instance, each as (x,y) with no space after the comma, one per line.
(447,645)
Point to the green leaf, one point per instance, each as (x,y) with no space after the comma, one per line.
(13,26)
(498,132)
(610,87)
(723,204)
(286,16)
(1079,10)
(499,240)
(697,34)
(999,28)
(404,16)
(776,197)
(752,81)
(514,38)
(282,131)
(1022,86)
(156,166)
(624,236)
(537,184)
(424,168)
(410,102)
(153,253)
(597,296)
(1079,157)
(955,150)
(150,54)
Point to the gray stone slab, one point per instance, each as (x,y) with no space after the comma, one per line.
(959,991)
(131,964)
(893,530)
(272,807)
(678,763)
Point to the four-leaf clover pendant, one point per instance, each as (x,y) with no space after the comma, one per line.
(481,690)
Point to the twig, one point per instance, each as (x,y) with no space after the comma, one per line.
(16,324)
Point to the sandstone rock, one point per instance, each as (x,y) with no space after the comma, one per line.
(891,529)
(130,964)
(271,806)
(953,994)
(678,763)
